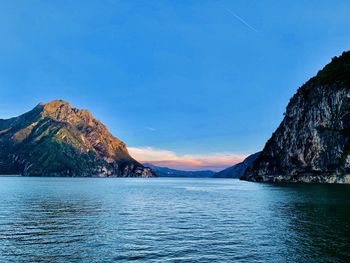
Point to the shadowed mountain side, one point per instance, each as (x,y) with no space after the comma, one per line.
(237,170)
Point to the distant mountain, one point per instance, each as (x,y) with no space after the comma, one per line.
(312,144)
(237,170)
(55,139)
(167,172)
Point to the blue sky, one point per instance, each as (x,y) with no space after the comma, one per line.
(205,81)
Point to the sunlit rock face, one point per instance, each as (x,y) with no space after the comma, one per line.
(312,142)
(55,139)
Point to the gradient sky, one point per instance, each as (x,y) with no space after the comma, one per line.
(189,84)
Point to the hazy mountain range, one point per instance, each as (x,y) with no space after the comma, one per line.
(168,172)
(235,171)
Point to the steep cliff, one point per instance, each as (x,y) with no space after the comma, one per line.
(312,144)
(55,139)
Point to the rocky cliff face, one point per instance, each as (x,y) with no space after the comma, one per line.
(55,139)
(312,144)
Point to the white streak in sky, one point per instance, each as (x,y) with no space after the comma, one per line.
(151,129)
(241,19)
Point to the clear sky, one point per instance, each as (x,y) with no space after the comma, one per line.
(188,84)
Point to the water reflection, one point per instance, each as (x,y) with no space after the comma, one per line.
(317,219)
(104,220)
(32,227)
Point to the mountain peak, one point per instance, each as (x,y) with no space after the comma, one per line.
(56,139)
(61,110)
(55,105)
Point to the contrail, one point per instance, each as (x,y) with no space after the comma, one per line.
(241,19)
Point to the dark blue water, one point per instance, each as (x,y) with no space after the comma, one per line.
(171,220)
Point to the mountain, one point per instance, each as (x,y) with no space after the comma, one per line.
(168,172)
(55,139)
(312,144)
(237,170)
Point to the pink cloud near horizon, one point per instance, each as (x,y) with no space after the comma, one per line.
(166,158)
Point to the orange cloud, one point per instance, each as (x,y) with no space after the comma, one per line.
(166,158)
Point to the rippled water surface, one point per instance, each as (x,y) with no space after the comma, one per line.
(171,220)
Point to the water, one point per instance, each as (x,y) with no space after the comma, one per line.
(171,220)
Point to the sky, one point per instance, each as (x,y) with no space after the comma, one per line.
(185,84)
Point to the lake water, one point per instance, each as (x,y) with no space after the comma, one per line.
(171,220)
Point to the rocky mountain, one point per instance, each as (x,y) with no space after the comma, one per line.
(168,172)
(55,139)
(312,144)
(237,170)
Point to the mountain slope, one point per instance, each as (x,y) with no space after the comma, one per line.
(312,144)
(237,170)
(168,172)
(55,139)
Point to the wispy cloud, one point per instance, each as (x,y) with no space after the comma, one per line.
(241,19)
(151,129)
(161,157)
